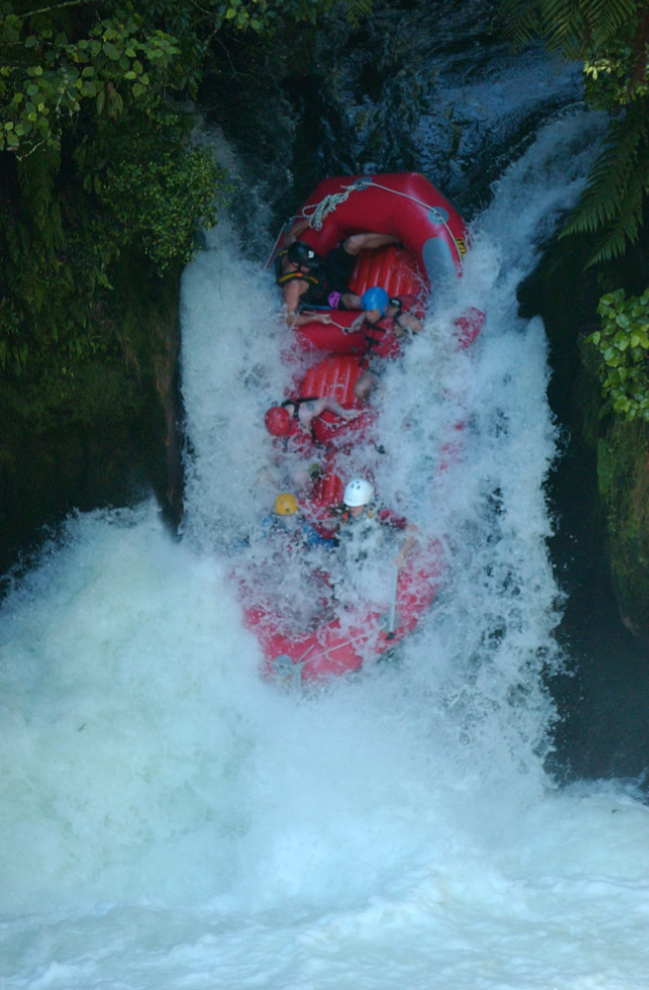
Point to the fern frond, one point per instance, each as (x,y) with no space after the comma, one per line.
(357,10)
(625,230)
(562,22)
(613,173)
(522,20)
(606,17)
(569,26)
(613,200)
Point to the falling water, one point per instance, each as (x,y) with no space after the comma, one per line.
(170,820)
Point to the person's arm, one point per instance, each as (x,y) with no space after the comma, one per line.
(408,546)
(404,319)
(301,318)
(357,324)
(308,411)
(296,231)
(390,518)
(406,323)
(315,407)
(293,292)
(365,242)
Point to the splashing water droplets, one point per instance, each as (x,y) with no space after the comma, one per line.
(169,819)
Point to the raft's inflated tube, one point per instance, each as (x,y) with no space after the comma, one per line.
(403,204)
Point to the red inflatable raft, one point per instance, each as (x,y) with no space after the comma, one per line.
(342,643)
(432,244)
(404,205)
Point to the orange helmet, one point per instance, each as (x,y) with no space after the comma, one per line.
(278,421)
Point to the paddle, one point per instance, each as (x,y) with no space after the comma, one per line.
(392,614)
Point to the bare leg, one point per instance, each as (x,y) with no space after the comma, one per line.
(335,407)
(364,386)
(358,242)
(350,300)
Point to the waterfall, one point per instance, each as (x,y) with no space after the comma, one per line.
(169,820)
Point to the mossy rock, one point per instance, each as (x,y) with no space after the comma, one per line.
(623,475)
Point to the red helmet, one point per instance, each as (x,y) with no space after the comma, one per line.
(278,421)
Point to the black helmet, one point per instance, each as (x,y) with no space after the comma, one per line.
(301,254)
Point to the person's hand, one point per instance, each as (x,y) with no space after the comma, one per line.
(323,318)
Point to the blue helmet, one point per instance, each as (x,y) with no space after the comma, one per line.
(376,298)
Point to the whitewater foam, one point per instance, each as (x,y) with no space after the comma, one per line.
(169,820)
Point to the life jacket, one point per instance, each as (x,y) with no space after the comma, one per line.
(380,338)
(317,291)
(360,536)
(380,341)
(298,534)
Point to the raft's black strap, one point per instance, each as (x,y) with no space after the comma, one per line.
(293,276)
(296,403)
(372,341)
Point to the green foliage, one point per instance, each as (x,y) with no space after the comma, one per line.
(154,189)
(164,203)
(623,475)
(623,346)
(575,28)
(99,180)
(97,166)
(266,16)
(612,203)
(45,79)
(611,38)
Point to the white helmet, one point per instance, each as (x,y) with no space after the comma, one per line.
(358,492)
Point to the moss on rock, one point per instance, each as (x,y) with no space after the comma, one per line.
(106,433)
(623,476)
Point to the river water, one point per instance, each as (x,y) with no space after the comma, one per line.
(170,821)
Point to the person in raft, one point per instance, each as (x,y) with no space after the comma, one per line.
(385,321)
(306,279)
(288,523)
(362,521)
(295,416)
(396,313)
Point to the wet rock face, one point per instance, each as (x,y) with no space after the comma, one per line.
(623,471)
(118,450)
(606,499)
(416,86)
(600,548)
